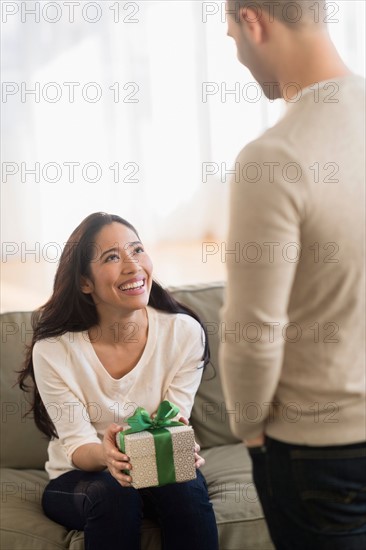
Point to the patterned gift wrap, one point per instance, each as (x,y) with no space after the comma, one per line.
(140,447)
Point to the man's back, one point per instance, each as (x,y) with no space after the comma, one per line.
(305,290)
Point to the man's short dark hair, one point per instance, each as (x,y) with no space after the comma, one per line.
(293,13)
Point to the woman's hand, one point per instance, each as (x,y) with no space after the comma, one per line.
(113,458)
(198,460)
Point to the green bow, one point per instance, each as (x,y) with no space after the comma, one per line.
(141,421)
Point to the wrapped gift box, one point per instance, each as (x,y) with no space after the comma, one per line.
(141,449)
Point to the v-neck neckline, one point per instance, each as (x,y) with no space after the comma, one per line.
(147,351)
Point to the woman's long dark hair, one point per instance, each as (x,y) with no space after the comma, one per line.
(70,310)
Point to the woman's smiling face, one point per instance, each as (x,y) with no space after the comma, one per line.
(120,271)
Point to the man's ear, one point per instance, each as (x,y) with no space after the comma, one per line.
(255,24)
(86,285)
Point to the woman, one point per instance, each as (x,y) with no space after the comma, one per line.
(110,339)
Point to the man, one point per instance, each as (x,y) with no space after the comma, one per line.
(293,356)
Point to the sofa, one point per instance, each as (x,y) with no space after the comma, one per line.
(239,516)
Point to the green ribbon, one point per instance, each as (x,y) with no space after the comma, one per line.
(141,421)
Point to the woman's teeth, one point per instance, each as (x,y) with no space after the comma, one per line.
(129,286)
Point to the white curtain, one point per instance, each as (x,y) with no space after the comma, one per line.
(138,110)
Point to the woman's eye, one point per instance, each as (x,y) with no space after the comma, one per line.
(139,249)
(112,258)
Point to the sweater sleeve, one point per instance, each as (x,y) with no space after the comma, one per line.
(263,241)
(68,413)
(183,387)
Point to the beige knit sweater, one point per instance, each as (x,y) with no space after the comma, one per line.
(293,364)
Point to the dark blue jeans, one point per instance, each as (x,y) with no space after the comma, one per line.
(313,498)
(110,515)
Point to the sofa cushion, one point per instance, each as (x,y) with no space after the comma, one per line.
(22,444)
(210,417)
(239,515)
